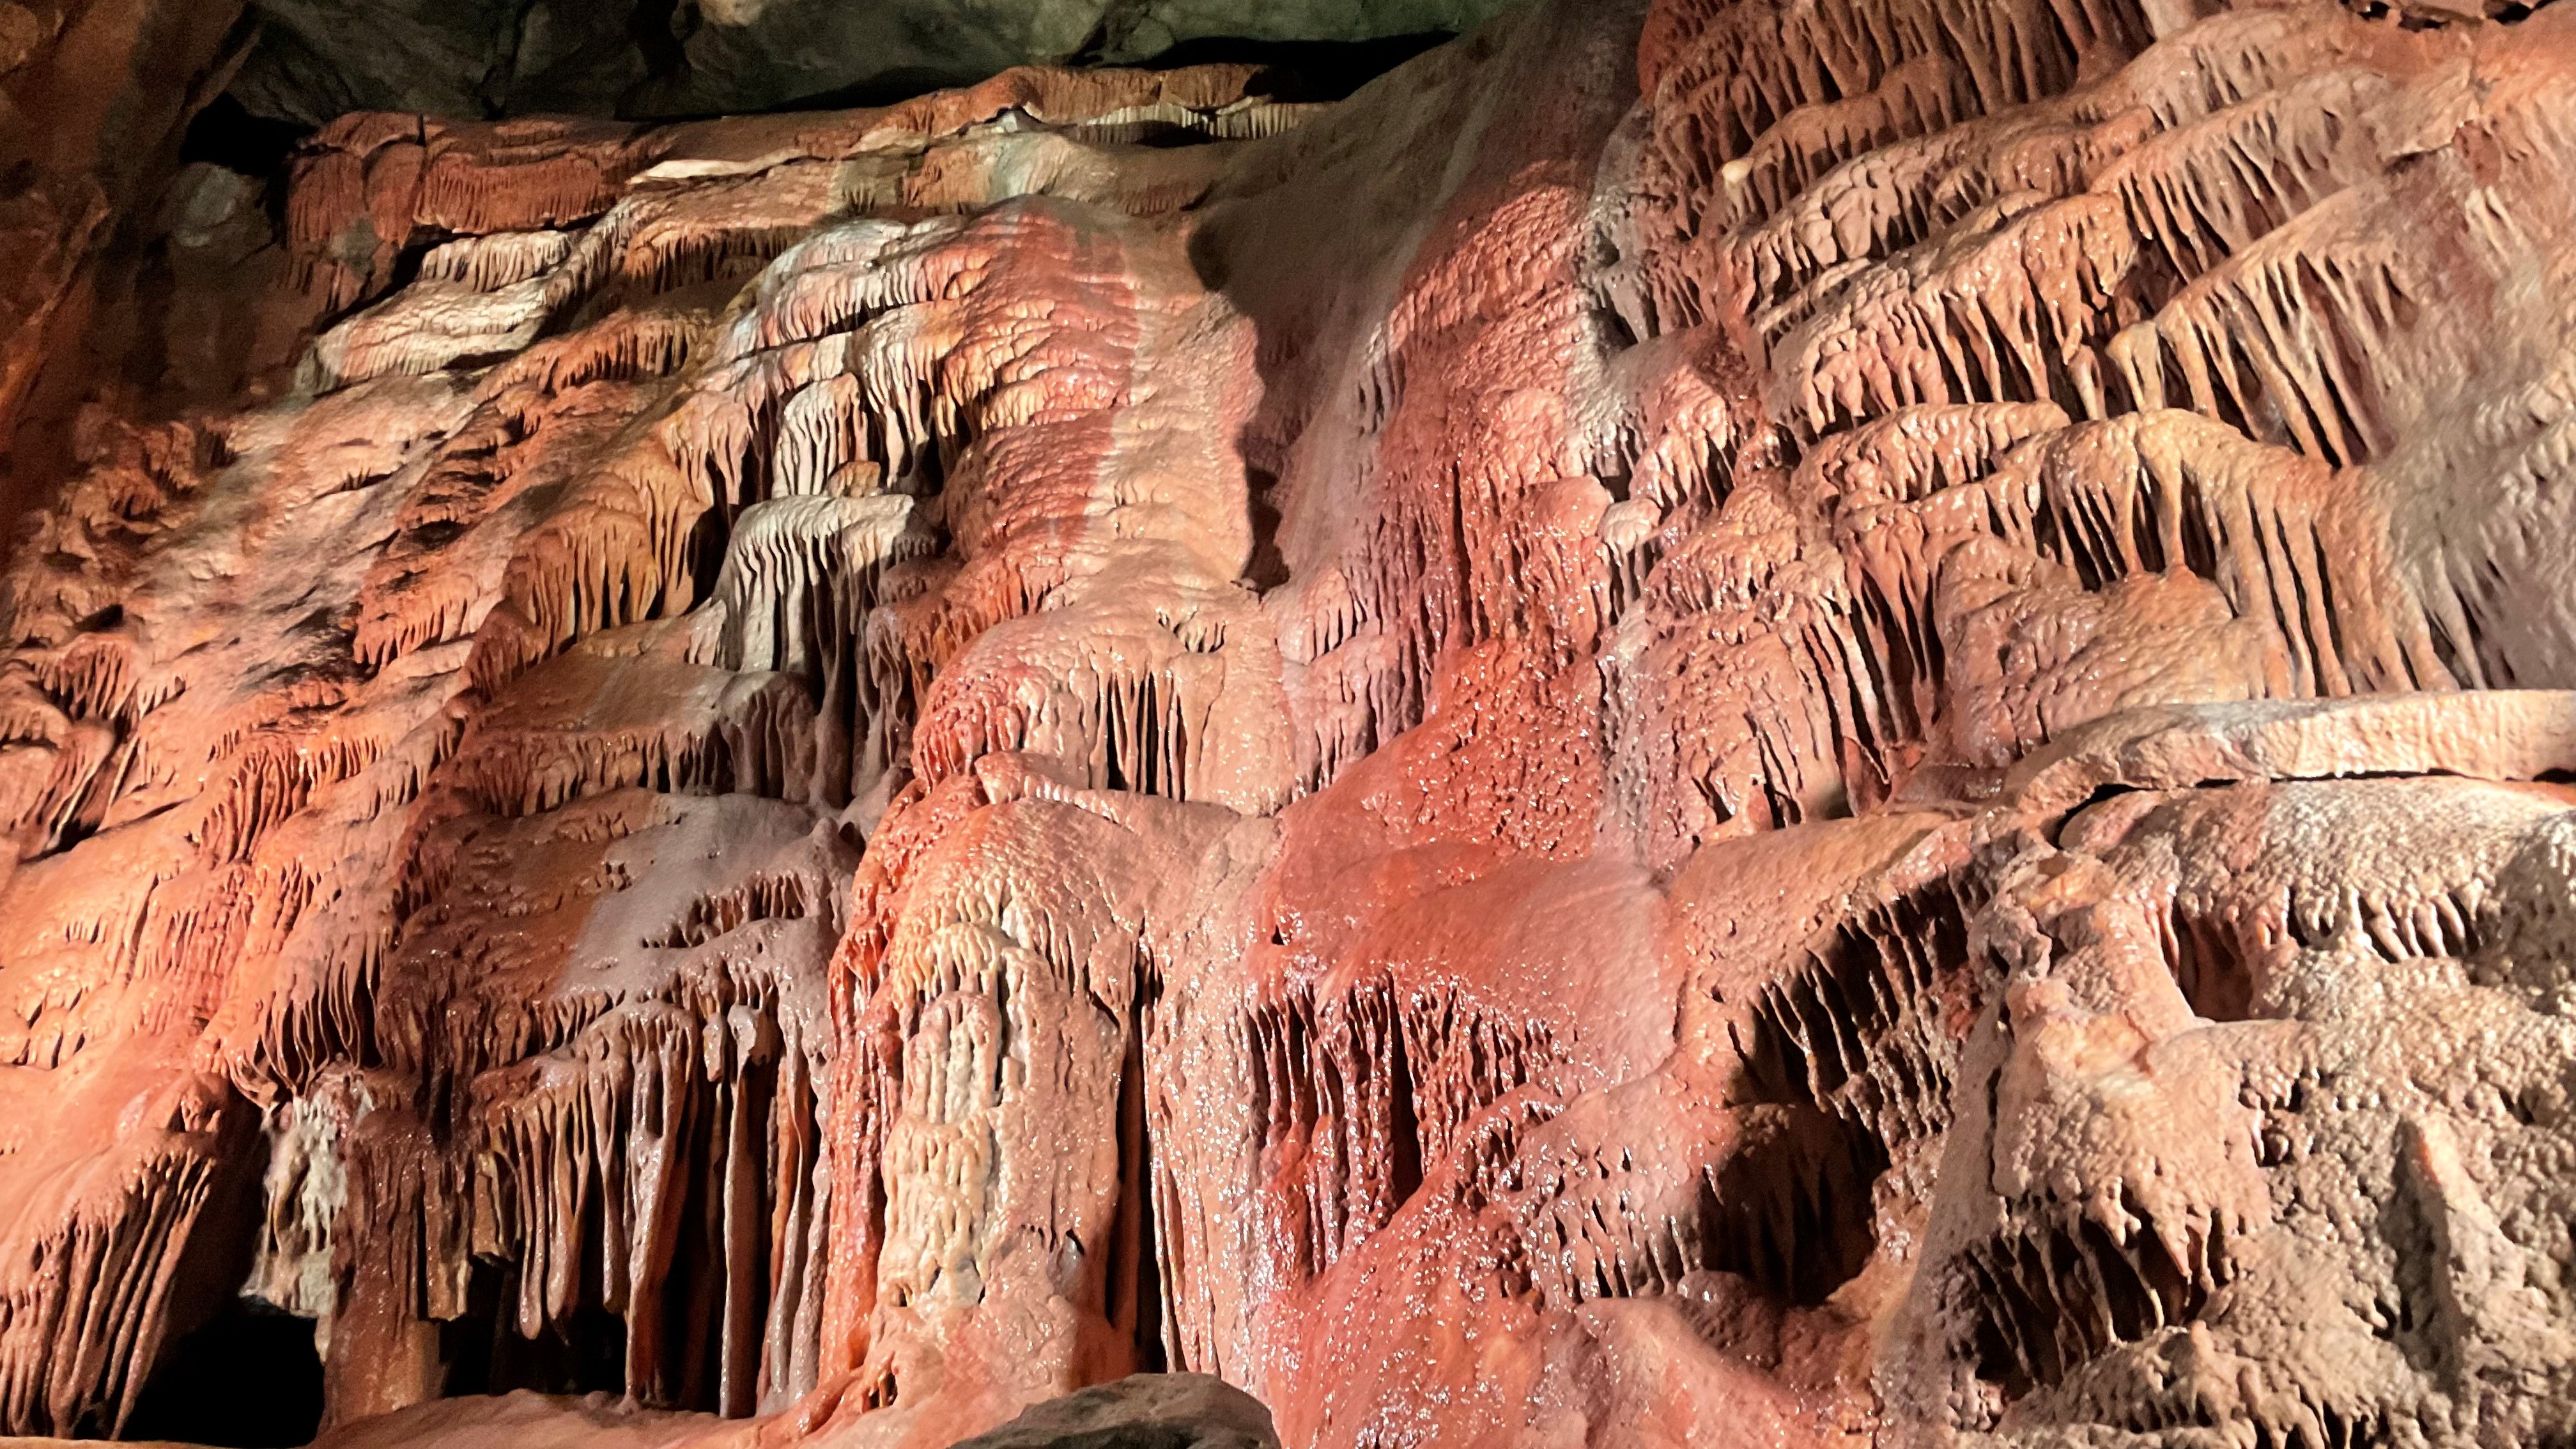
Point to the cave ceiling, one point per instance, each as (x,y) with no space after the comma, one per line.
(316,59)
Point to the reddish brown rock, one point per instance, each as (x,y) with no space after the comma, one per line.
(1830,724)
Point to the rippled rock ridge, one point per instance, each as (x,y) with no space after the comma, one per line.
(1818,722)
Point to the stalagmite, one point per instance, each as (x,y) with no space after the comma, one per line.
(1708,721)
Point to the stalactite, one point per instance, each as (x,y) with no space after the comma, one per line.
(80,1331)
(1443,753)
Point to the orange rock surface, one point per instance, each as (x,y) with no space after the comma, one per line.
(1711,722)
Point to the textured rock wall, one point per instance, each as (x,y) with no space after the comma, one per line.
(93,97)
(1708,721)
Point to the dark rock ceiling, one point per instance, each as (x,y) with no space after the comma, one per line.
(315,59)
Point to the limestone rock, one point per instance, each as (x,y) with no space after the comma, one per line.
(1145,1411)
(318,59)
(1709,721)
(521,1421)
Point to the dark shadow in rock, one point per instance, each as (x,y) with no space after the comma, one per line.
(250,1378)
(1302,70)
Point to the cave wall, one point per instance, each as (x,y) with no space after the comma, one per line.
(1826,723)
(94,98)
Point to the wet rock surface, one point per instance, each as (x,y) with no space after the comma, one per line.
(1827,724)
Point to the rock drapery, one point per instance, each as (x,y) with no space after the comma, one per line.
(1710,720)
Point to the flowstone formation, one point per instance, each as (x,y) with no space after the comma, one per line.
(1714,721)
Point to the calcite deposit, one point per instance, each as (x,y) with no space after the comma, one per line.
(1804,722)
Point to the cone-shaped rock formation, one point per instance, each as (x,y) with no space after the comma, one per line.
(1711,721)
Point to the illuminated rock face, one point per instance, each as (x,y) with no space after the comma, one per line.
(1708,722)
